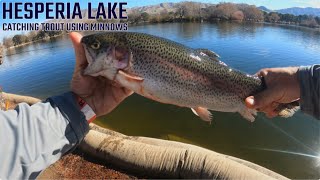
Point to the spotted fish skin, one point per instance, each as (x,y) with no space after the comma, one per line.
(172,73)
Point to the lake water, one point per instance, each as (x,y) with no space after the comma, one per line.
(290,147)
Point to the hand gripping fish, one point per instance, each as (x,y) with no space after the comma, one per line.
(171,73)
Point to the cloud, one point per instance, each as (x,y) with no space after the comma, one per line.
(309,3)
(315,3)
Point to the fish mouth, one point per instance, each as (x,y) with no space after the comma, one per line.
(95,66)
(87,71)
(107,64)
(87,54)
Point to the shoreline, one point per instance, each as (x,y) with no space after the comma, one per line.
(2,49)
(31,42)
(1,54)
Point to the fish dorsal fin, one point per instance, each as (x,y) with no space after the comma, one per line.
(212,55)
(208,52)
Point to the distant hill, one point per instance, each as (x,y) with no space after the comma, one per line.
(294,10)
(155,9)
(265,9)
(172,7)
(168,7)
(301,11)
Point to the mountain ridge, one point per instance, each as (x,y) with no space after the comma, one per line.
(300,11)
(294,10)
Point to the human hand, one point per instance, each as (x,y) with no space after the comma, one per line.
(282,87)
(99,93)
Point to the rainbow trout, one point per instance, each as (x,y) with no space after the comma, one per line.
(171,73)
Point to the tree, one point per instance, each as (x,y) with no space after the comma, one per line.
(41,35)
(302,18)
(1,54)
(134,17)
(225,11)
(288,18)
(311,22)
(101,20)
(145,16)
(190,10)
(180,12)
(238,15)
(53,33)
(317,19)
(155,18)
(207,13)
(17,39)
(25,39)
(166,17)
(252,13)
(273,17)
(31,35)
(7,42)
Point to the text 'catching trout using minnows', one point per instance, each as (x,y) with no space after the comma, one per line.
(172,73)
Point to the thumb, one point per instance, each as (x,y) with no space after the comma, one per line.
(81,60)
(262,99)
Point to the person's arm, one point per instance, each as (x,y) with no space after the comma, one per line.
(34,137)
(309,78)
(285,85)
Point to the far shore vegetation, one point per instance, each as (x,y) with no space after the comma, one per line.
(1,54)
(184,12)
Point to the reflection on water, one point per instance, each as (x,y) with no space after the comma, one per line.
(190,30)
(288,146)
(226,29)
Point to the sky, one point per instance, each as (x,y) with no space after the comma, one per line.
(271,4)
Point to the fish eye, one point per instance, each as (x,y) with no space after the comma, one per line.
(95,45)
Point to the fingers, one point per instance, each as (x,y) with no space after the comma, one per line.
(121,91)
(262,99)
(81,60)
(127,92)
(262,73)
(254,102)
(270,110)
(249,102)
(115,84)
(265,100)
(282,86)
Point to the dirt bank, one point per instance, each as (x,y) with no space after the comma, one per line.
(78,166)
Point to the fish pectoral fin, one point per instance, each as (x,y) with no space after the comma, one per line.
(130,77)
(131,82)
(208,53)
(248,114)
(203,113)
